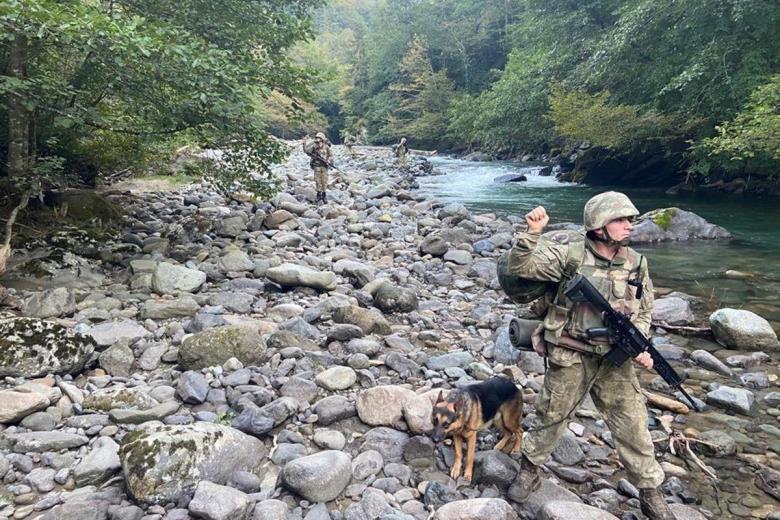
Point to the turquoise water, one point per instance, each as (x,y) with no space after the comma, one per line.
(696,268)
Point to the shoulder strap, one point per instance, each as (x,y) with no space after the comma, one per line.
(575,256)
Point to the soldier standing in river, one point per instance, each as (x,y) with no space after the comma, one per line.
(575,359)
(319,151)
(401,150)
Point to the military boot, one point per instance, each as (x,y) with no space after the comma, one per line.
(653,504)
(527,481)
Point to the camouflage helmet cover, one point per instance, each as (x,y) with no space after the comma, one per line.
(606,207)
(320,135)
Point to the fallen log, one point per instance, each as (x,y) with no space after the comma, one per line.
(665,403)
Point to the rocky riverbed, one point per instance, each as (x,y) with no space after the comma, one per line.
(224,359)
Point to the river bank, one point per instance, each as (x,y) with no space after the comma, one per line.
(233,359)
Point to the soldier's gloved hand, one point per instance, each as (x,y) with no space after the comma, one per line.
(536,219)
(644,359)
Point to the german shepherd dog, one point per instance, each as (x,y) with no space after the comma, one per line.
(467,410)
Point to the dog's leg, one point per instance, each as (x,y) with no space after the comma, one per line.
(471,441)
(458,441)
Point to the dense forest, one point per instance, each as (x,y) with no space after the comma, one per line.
(660,87)
(682,85)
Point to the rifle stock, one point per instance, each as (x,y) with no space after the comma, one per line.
(628,341)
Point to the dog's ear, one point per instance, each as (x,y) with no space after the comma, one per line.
(439,398)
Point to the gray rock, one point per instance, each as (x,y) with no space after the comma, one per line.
(740,329)
(30,347)
(344,332)
(336,378)
(476,509)
(164,463)
(458,256)
(368,463)
(734,399)
(108,399)
(320,477)
(37,422)
(51,303)
(387,441)
(14,406)
(706,360)
(394,299)
(41,479)
(254,421)
(99,465)
(382,405)
(359,272)
(294,275)
(402,364)
(171,279)
(719,443)
(299,388)
(213,347)
(755,380)
(673,311)
(79,510)
(271,510)
(548,492)
(329,439)
(334,408)
(41,441)
(495,468)
(433,245)
(110,332)
(568,450)
(565,510)
(238,302)
(236,261)
(156,413)
(183,306)
(192,388)
(674,224)
(371,321)
(232,226)
(452,359)
(215,502)
(117,360)
(285,452)
(683,512)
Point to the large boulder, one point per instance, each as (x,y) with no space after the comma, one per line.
(98,465)
(668,224)
(182,307)
(215,502)
(30,347)
(737,400)
(214,346)
(320,477)
(383,405)
(235,260)
(294,275)
(170,279)
(161,464)
(740,329)
(359,272)
(476,509)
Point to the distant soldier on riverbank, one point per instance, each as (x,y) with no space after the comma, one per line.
(349,142)
(400,151)
(321,157)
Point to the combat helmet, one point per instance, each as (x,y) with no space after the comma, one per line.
(606,207)
(320,135)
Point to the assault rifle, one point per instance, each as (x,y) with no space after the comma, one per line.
(324,161)
(628,342)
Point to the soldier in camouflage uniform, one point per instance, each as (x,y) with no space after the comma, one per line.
(349,142)
(575,360)
(401,150)
(318,150)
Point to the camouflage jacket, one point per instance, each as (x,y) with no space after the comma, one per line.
(323,150)
(526,260)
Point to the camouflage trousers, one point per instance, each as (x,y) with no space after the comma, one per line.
(321,178)
(402,160)
(617,395)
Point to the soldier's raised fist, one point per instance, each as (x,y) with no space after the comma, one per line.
(536,219)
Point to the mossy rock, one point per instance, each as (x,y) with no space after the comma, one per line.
(31,347)
(663,218)
(119,398)
(213,347)
(162,464)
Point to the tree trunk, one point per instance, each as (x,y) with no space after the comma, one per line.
(18,115)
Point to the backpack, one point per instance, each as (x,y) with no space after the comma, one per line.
(525,291)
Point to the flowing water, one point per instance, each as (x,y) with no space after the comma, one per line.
(697,267)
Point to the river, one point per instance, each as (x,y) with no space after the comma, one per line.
(696,268)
